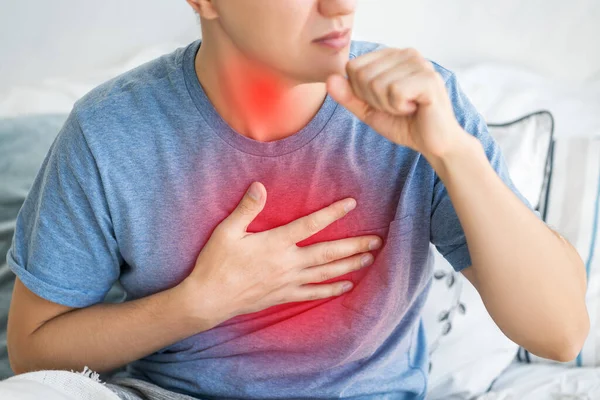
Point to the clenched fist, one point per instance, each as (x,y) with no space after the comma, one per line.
(399,94)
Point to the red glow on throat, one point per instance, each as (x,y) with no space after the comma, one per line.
(259,96)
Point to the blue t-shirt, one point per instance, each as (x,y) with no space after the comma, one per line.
(145,168)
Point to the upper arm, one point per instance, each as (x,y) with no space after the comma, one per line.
(64,247)
(469,273)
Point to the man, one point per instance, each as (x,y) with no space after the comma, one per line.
(348,149)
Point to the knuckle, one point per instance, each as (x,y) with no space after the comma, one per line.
(245,208)
(357,264)
(431,75)
(411,52)
(377,86)
(434,79)
(396,51)
(282,238)
(312,295)
(224,231)
(324,275)
(428,65)
(288,239)
(396,89)
(312,226)
(329,254)
(419,59)
(351,66)
(279,299)
(362,75)
(422,62)
(395,94)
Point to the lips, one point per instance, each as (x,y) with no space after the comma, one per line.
(333,35)
(336,40)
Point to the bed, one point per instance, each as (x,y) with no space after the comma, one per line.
(528,61)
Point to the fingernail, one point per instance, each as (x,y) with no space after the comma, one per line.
(254,192)
(365,260)
(347,286)
(349,205)
(373,244)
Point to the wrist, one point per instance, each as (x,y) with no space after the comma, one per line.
(199,307)
(463,148)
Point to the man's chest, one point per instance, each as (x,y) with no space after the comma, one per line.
(164,217)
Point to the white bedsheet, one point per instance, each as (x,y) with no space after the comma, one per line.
(56,385)
(545,382)
(519,382)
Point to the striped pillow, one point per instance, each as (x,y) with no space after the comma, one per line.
(573,208)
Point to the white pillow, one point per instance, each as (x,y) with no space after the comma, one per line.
(526,145)
(503,92)
(573,210)
(467,350)
(57,95)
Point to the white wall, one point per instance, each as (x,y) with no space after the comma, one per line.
(48,38)
(560,38)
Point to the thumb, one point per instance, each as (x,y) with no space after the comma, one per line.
(340,89)
(250,206)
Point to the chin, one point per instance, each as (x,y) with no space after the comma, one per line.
(320,70)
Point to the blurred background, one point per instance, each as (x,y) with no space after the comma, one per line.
(80,44)
(531,67)
(43,39)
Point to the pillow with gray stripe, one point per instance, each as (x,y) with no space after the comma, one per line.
(573,208)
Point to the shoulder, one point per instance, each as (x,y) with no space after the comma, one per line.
(132,88)
(125,109)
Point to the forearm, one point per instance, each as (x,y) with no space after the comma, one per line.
(108,336)
(532,281)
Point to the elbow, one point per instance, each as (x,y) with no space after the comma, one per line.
(16,370)
(565,353)
(19,353)
(21,365)
(16,364)
(569,345)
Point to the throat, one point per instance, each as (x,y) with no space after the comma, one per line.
(256,101)
(263,106)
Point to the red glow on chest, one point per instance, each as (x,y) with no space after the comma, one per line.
(258,97)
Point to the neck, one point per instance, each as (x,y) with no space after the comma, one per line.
(256,101)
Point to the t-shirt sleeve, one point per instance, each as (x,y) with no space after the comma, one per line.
(64,248)
(446,231)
